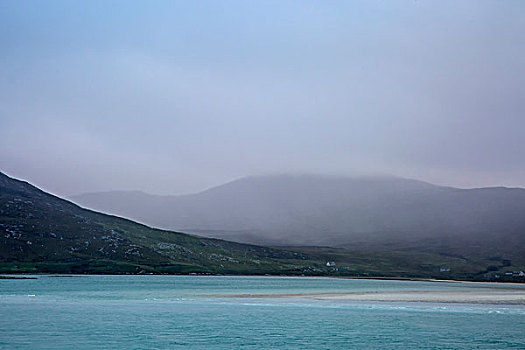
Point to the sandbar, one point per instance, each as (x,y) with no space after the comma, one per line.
(485,296)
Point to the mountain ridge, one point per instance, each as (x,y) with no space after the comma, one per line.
(45,233)
(42,233)
(319,210)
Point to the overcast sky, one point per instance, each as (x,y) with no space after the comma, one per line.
(174,97)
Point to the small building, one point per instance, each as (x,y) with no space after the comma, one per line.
(444,269)
(518,273)
(330,263)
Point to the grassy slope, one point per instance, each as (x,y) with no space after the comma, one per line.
(43,233)
(395,263)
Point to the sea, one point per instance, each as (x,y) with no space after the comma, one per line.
(224,312)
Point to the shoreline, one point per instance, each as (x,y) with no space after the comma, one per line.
(486,292)
(397,279)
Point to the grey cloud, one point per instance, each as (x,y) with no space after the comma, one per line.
(176,98)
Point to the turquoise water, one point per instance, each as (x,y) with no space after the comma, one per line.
(187,312)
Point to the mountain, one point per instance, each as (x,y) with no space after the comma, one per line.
(43,233)
(351,212)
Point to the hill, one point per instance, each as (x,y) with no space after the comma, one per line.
(43,233)
(349,212)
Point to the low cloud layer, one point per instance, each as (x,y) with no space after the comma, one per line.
(176,97)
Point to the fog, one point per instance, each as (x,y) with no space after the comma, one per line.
(173,98)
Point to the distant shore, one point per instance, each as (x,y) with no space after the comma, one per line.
(488,292)
(379,278)
(4,277)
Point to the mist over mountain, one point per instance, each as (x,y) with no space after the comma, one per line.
(353,212)
(40,232)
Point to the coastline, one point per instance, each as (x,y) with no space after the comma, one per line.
(397,279)
(478,292)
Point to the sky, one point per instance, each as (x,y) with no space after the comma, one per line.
(172,97)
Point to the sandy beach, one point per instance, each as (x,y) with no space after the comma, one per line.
(484,296)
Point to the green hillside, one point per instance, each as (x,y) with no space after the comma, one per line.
(41,233)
